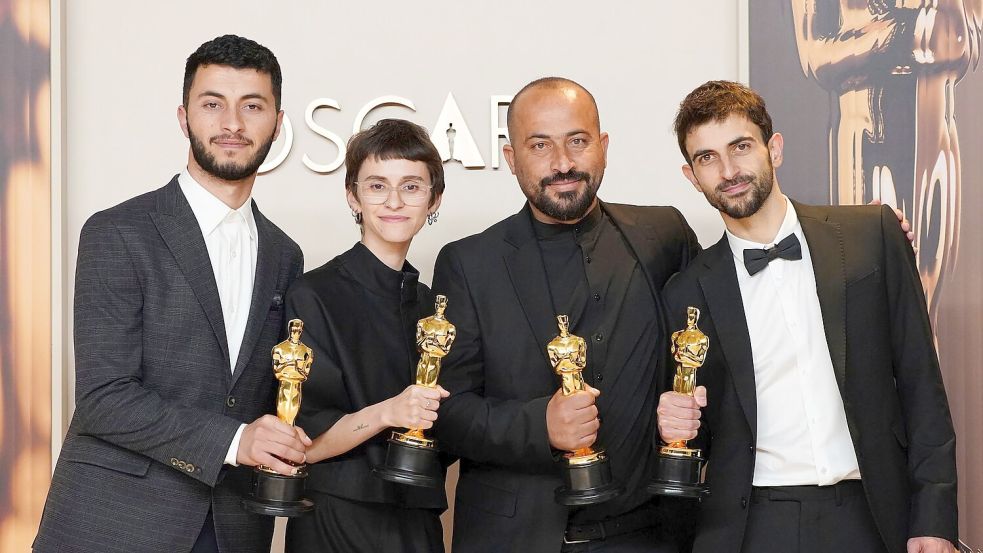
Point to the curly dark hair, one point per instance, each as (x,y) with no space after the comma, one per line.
(238,52)
(716,101)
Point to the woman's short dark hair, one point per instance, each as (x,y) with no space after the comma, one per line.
(394,139)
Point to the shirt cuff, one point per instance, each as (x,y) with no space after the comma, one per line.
(230,457)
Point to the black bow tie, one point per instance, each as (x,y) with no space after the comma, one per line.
(757,259)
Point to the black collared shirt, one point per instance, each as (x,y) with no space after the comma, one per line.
(595,278)
(360,319)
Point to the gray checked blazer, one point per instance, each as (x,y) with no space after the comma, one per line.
(156,404)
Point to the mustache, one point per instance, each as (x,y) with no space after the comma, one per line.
(738,180)
(568,176)
(231,138)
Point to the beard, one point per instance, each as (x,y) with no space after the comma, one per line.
(750,202)
(566,206)
(230,170)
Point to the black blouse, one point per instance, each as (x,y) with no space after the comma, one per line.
(360,319)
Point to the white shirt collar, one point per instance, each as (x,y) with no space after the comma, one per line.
(211,211)
(790,225)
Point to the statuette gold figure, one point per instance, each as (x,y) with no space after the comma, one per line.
(412,457)
(689,350)
(434,337)
(292,362)
(679,469)
(274,494)
(586,471)
(568,355)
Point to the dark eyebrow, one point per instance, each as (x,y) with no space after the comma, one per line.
(251,96)
(211,93)
(738,140)
(403,178)
(734,142)
(255,96)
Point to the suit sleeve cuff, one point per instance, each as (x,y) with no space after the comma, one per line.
(230,457)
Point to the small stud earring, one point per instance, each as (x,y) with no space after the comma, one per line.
(432,217)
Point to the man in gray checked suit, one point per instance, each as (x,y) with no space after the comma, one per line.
(178,301)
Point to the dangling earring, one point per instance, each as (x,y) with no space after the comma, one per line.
(432,217)
(358,217)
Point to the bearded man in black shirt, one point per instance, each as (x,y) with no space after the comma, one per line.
(565,252)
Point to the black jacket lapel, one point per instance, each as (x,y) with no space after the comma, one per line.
(528,276)
(723,296)
(829,265)
(181,232)
(644,242)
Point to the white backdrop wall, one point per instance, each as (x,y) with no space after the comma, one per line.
(124,63)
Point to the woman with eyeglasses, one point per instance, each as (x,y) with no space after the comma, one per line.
(360,312)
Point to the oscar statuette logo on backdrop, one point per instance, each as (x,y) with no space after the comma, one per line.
(451,134)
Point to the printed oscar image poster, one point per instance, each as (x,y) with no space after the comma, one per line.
(884,100)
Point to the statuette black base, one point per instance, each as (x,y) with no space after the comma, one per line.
(411,464)
(277,495)
(587,484)
(679,476)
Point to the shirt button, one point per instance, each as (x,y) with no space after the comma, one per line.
(234,254)
(743,503)
(230,401)
(599,337)
(750,449)
(597,297)
(599,377)
(589,259)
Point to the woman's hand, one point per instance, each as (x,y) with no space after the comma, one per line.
(414,407)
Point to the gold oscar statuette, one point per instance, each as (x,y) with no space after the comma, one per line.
(586,471)
(679,469)
(272,493)
(412,457)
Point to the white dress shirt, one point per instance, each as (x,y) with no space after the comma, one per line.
(803,437)
(231,240)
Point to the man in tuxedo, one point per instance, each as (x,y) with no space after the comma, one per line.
(825,420)
(564,253)
(178,301)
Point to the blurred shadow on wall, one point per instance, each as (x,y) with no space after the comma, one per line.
(25,269)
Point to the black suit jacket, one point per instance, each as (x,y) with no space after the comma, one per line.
(500,378)
(883,354)
(156,403)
